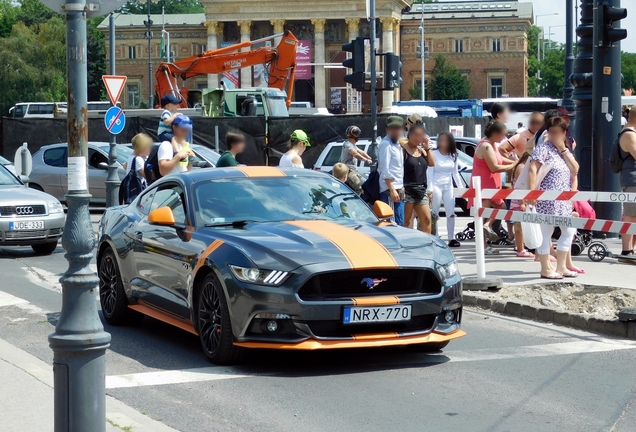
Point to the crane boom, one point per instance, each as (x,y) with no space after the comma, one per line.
(281,60)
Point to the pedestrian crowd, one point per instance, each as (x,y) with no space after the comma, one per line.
(416,176)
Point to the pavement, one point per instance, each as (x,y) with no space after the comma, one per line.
(507,374)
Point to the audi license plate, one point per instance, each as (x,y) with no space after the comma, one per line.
(26,225)
(376,314)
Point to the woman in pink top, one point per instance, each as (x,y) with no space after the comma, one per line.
(488,164)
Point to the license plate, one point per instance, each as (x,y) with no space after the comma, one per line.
(26,225)
(375,314)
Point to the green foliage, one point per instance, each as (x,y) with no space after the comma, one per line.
(628,67)
(415,92)
(553,71)
(96,60)
(447,81)
(171,7)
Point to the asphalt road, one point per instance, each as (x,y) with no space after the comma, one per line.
(505,375)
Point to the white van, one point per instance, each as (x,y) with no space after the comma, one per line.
(37,109)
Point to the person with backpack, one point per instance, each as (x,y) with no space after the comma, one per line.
(135,180)
(627,174)
(172,156)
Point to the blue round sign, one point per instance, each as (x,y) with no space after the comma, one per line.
(115,120)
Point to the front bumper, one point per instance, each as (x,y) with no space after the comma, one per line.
(52,231)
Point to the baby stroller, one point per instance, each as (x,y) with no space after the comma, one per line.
(467,234)
(581,240)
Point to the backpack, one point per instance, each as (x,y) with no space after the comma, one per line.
(132,184)
(151,166)
(616,159)
(371,188)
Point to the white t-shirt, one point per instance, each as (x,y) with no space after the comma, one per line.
(286,161)
(139,164)
(166,153)
(444,172)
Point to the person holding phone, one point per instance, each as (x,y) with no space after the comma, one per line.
(417,158)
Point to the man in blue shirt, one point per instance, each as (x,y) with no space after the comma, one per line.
(391,168)
(170,104)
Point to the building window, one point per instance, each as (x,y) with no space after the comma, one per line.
(496,87)
(132,52)
(133,95)
(496,45)
(459,45)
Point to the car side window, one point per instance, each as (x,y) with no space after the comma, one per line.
(95,158)
(145,202)
(55,157)
(170,196)
(333,157)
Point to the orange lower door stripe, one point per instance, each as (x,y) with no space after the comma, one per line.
(158,315)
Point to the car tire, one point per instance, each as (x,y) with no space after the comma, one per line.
(36,187)
(44,248)
(428,347)
(112,296)
(213,324)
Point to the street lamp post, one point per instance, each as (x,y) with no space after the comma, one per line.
(568,103)
(536,23)
(148,24)
(423,55)
(112,180)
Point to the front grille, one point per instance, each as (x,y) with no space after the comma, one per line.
(23,210)
(33,234)
(355,283)
(419,323)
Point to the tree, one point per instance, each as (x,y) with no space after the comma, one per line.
(628,67)
(447,82)
(171,7)
(415,92)
(533,63)
(96,60)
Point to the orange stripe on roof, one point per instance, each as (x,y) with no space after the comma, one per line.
(362,251)
(261,171)
(206,253)
(375,301)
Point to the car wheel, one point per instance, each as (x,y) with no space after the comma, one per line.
(428,347)
(44,248)
(36,187)
(112,296)
(214,325)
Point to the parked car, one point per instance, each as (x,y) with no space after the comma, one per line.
(49,173)
(28,217)
(8,165)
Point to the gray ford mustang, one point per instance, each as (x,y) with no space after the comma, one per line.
(262,257)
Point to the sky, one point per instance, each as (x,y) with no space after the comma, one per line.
(552,6)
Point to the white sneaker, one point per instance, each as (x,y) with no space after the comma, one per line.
(491,251)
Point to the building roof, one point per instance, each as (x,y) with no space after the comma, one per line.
(127,20)
(471,9)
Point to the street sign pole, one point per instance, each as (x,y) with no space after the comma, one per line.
(79,343)
(374,97)
(112,180)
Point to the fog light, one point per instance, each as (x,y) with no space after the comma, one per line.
(449,316)
(272,326)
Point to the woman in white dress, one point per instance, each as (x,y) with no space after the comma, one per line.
(442,179)
(298,142)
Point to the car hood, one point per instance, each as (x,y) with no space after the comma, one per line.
(343,244)
(19,194)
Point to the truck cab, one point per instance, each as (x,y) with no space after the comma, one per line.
(224,102)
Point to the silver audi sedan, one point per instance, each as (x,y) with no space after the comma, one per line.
(28,217)
(50,169)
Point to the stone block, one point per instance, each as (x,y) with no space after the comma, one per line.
(484,303)
(498,306)
(561,318)
(513,308)
(579,321)
(545,314)
(528,311)
(469,299)
(614,327)
(631,330)
(596,325)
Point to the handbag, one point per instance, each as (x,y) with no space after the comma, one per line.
(532,236)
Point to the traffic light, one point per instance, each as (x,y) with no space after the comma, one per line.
(392,71)
(355,63)
(604,31)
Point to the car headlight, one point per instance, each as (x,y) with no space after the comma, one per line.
(55,207)
(448,271)
(258,276)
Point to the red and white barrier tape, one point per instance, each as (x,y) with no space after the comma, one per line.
(560,221)
(615,197)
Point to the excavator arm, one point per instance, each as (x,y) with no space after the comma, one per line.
(281,70)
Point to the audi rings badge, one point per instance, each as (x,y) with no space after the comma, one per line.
(24,210)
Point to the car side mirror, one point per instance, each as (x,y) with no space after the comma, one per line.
(382,210)
(24,179)
(162,216)
(203,164)
(102,166)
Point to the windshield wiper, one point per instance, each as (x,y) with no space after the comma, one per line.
(235,224)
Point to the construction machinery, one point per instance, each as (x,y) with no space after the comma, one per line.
(272,100)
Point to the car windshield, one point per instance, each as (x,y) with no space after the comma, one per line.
(123,152)
(4,161)
(227,200)
(277,106)
(463,157)
(6,178)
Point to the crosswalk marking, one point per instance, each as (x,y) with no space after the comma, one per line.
(47,279)
(9,300)
(172,377)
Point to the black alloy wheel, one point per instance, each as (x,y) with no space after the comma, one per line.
(213,324)
(112,297)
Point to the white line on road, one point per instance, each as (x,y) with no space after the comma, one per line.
(9,300)
(47,279)
(171,377)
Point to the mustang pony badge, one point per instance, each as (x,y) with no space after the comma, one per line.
(372,282)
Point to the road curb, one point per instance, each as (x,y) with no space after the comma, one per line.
(611,327)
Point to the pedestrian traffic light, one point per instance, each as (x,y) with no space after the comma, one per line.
(604,31)
(392,71)
(356,63)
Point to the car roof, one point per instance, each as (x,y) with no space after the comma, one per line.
(249,172)
(94,143)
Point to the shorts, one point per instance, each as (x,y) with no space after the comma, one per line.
(629,209)
(165,136)
(415,201)
(354,181)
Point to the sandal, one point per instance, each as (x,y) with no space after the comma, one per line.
(553,276)
(570,275)
(491,251)
(525,254)
(454,243)
(576,270)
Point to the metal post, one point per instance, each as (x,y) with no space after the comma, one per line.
(112,180)
(79,343)
(582,95)
(568,103)
(216,138)
(479,230)
(423,55)
(150,95)
(374,96)
(606,117)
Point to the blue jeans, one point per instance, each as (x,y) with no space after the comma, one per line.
(398,208)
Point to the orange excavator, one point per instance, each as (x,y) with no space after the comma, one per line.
(281,70)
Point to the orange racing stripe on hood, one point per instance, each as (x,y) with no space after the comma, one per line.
(206,253)
(261,171)
(360,250)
